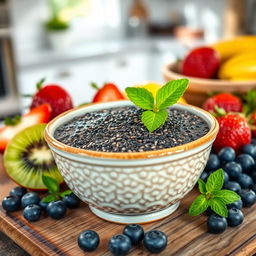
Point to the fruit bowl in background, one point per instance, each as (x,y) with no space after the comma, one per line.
(200,88)
(131,187)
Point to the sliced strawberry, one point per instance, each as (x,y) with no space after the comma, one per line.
(109,92)
(40,114)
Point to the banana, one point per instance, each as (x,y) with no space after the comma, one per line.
(240,67)
(232,47)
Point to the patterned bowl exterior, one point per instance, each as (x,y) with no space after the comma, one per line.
(138,189)
(131,183)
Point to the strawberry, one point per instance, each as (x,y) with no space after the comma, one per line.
(234,132)
(40,114)
(57,97)
(109,92)
(252,122)
(202,62)
(227,101)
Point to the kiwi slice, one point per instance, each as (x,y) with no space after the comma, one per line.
(27,157)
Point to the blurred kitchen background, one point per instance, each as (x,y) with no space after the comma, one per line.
(76,42)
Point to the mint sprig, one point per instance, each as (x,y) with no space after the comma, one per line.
(53,190)
(213,196)
(156,113)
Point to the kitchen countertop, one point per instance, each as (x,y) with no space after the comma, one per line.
(46,56)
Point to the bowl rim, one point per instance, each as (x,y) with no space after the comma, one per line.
(168,70)
(210,136)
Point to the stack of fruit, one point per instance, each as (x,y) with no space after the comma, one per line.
(228,60)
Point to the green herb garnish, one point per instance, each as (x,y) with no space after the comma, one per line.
(213,196)
(157,113)
(53,190)
(12,121)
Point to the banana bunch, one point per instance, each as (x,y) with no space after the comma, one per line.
(238,58)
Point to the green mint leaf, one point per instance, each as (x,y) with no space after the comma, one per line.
(226,196)
(153,120)
(49,199)
(65,193)
(12,121)
(218,207)
(141,97)
(51,184)
(199,205)
(170,93)
(215,181)
(201,186)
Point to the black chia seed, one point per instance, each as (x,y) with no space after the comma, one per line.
(121,130)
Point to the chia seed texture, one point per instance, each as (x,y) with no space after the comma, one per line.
(121,130)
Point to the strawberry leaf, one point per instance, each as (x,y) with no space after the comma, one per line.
(141,97)
(153,120)
(12,121)
(170,93)
(40,83)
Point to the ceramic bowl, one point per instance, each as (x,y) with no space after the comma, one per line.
(131,187)
(199,88)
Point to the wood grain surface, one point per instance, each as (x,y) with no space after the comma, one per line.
(187,236)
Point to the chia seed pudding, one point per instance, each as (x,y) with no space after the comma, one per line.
(121,130)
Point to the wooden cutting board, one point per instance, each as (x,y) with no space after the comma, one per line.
(187,236)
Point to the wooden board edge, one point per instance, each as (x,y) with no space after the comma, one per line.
(17,236)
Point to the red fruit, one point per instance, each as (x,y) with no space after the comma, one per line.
(234,132)
(58,98)
(109,92)
(40,114)
(202,62)
(252,122)
(227,101)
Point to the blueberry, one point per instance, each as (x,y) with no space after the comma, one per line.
(254,188)
(32,212)
(253,141)
(227,154)
(56,209)
(235,217)
(209,211)
(119,245)
(234,186)
(88,240)
(237,204)
(216,224)
(253,174)
(246,161)
(135,232)
(155,241)
(30,198)
(204,176)
(213,163)
(233,169)
(11,203)
(226,178)
(250,149)
(71,201)
(43,205)
(18,191)
(248,197)
(245,181)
